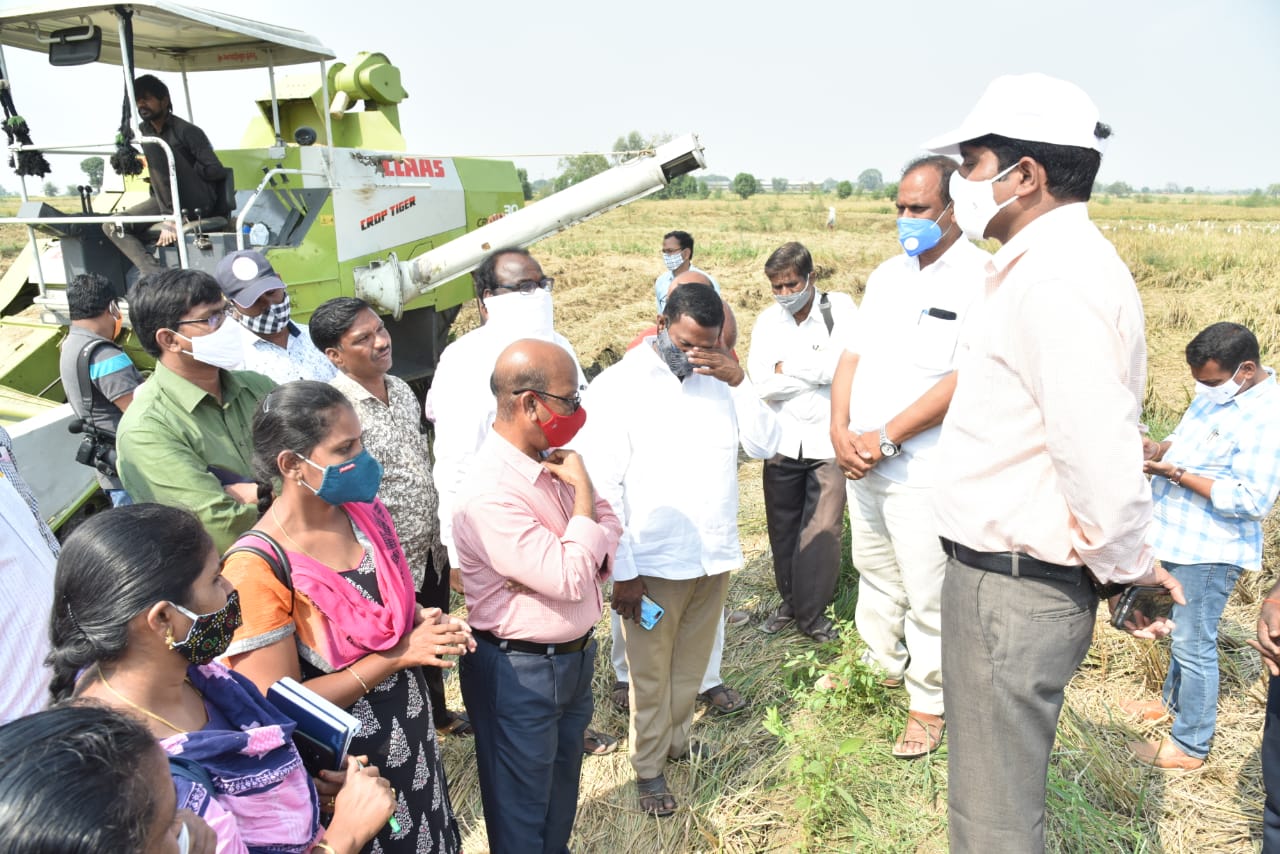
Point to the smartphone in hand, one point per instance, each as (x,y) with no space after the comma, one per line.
(650,612)
(1152,603)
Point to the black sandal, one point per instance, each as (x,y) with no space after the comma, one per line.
(459,725)
(596,743)
(723,700)
(655,798)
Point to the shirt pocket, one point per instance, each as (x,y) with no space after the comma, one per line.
(934,342)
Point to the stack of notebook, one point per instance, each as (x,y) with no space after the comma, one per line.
(324,730)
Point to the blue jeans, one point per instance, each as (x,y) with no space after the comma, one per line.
(1191,687)
(119,498)
(529,713)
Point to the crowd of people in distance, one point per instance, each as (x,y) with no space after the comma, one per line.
(284,508)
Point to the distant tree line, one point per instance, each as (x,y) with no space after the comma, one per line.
(870,182)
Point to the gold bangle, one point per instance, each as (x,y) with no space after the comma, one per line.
(363,684)
(324,846)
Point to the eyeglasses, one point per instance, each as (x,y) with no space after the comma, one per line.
(213,321)
(574,403)
(528,286)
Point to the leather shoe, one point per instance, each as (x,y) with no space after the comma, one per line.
(1164,755)
(1147,711)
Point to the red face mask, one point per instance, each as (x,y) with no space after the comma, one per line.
(560,429)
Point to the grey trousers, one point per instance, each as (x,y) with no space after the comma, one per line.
(804,503)
(1009,647)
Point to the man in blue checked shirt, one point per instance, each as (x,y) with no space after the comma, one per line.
(1214,479)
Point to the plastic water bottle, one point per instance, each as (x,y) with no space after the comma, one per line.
(259,235)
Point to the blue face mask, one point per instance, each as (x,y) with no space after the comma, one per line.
(356,480)
(919,235)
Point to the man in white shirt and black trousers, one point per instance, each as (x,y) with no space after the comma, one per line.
(795,347)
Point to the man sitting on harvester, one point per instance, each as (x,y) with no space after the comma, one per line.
(201,177)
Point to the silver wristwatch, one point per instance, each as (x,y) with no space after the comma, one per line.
(887,448)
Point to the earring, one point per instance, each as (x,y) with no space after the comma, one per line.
(168,637)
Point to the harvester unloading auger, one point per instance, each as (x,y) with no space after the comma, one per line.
(392,283)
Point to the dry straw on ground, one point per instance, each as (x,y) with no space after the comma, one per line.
(1195,262)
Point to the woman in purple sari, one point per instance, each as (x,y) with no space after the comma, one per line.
(140,611)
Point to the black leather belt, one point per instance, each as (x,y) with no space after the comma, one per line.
(1013,563)
(531,647)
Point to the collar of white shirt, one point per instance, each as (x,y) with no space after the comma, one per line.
(1041,228)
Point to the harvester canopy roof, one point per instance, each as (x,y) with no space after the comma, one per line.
(167,36)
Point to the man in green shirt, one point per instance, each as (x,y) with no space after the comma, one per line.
(187,438)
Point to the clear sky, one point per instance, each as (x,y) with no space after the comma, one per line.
(800,89)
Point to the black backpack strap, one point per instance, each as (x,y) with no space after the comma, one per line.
(86,384)
(278,559)
(824,305)
(182,768)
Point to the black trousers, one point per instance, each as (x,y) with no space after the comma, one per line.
(804,503)
(435,594)
(1271,770)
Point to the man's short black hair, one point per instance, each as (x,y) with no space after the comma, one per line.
(695,300)
(149,84)
(1070,170)
(332,320)
(789,256)
(485,276)
(89,295)
(160,300)
(684,238)
(1228,344)
(945,166)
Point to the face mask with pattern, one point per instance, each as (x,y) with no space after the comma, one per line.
(271,321)
(210,634)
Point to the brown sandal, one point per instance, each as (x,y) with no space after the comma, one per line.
(921,729)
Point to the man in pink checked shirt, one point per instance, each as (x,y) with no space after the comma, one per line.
(535,546)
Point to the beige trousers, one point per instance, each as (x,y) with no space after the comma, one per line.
(666,665)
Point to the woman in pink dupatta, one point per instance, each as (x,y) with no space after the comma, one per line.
(346,624)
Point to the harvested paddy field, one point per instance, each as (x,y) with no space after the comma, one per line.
(803,770)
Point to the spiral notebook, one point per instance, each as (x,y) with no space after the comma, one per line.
(324,730)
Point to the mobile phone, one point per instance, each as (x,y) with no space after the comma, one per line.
(650,612)
(1150,602)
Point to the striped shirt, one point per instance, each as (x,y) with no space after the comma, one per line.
(1237,445)
(28,552)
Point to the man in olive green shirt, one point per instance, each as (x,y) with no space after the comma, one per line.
(187,438)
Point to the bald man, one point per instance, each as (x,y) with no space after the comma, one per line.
(535,546)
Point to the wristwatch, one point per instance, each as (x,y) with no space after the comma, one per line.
(887,448)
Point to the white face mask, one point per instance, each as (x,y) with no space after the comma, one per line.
(672,262)
(975,202)
(795,302)
(222,348)
(1221,393)
(522,315)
